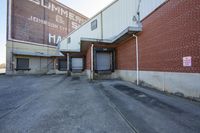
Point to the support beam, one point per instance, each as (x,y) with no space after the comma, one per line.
(92,63)
(68,62)
(68,65)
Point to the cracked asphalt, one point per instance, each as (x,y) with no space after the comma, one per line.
(56,103)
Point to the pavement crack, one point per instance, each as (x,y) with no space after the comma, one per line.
(18,107)
(117,110)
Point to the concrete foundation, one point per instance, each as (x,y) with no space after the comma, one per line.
(186,84)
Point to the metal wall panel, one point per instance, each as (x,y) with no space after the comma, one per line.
(118,17)
(84,31)
(147,6)
(111,21)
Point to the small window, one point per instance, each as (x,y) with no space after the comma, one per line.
(94,25)
(46,2)
(22,64)
(68,40)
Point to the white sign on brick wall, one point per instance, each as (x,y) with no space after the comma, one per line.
(187,61)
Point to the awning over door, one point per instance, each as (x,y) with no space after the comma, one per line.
(115,40)
(36,54)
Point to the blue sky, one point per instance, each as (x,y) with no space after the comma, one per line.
(86,7)
(3,9)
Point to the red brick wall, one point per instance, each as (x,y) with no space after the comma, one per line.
(88,58)
(26,27)
(169,34)
(125,55)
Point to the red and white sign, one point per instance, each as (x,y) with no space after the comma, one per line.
(187,61)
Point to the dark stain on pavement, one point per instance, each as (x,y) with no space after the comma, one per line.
(146,99)
(75,78)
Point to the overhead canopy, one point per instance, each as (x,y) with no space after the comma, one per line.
(36,54)
(125,34)
(73,54)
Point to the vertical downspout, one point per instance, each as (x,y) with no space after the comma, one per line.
(137,57)
(68,64)
(92,63)
(136,42)
(102,25)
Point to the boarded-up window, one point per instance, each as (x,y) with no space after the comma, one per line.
(46,3)
(22,64)
(68,40)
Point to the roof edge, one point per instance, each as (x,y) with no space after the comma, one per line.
(91,18)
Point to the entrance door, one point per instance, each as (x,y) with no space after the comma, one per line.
(104,61)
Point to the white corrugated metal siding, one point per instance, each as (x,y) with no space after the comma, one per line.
(147,6)
(84,31)
(118,17)
(115,18)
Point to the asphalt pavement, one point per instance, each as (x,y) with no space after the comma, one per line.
(61,104)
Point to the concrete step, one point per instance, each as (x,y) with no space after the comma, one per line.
(102,76)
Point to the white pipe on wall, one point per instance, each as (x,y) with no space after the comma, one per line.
(137,57)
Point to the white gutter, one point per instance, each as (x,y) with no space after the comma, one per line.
(137,57)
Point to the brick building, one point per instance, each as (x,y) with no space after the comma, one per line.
(151,42)
(35,27)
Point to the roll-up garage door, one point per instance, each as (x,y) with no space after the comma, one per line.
(62,64)
(104,61)
(77,63)
(22,64)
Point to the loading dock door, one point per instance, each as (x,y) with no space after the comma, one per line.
(22,64)
(62,65)
(77,63)
(104,61)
